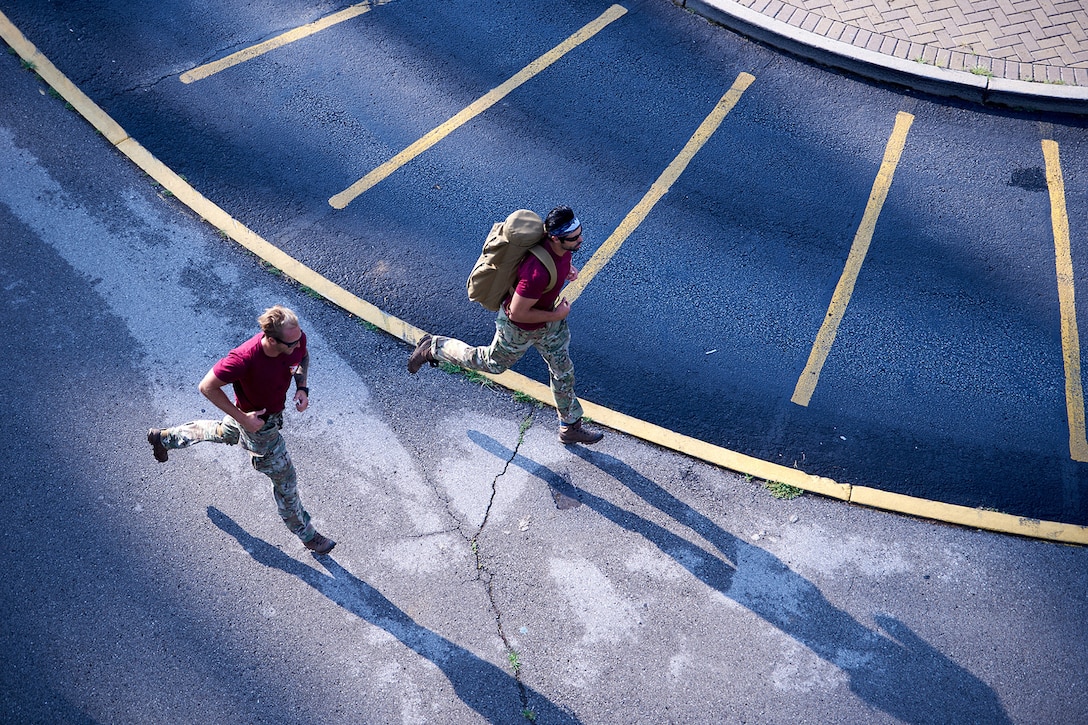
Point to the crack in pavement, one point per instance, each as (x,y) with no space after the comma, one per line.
(488,577)
(484,574)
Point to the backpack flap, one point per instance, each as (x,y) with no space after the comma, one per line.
(493,275)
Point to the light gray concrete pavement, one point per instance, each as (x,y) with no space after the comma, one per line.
(1030,54)
(484,572)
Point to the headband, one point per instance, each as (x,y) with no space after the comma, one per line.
(566,228)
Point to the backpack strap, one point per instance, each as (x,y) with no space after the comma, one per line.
(549,264)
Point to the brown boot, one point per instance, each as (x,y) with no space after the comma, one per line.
(154,437)
(320,544)
(422,354)
(575,433)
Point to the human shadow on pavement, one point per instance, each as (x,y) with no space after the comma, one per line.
(485,688)
(897,671)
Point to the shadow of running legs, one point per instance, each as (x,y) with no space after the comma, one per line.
(485,688)
(900,674)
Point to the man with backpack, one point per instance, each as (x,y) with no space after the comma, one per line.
(528,315)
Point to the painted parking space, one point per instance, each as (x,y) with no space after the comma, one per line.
(266,46)
(660,187)
(583,34)
(626,269)
(825,338)
(1063,260)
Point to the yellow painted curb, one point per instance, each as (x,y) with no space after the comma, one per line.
(214,215)
(966,516)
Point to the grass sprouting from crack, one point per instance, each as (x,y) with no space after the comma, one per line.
(470,375)
(515,661)
(368,325)
(521,397)
(524,426)
(783,491)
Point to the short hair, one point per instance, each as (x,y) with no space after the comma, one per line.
(558,218)
(276,319)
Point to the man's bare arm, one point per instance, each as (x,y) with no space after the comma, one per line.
(212,388)
(522,310)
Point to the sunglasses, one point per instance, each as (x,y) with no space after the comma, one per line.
(286,344)
(575,238)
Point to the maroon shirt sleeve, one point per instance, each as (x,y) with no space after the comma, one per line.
(231,368)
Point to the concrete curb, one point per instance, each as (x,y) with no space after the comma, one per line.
(708,452)
(1022,95)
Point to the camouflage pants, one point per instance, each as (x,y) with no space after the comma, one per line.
(511,342)
(268,454)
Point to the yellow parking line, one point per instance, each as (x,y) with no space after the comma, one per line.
(345,197)
(806,384)
(659,188)
(279,41)
(1074,392)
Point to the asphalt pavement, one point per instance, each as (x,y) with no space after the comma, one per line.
(484,572)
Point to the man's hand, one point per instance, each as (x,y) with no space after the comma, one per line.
(522,310)
(572,274)
(212,389)
(252,421)
(302,400)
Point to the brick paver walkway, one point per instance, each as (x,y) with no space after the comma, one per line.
(1031,40)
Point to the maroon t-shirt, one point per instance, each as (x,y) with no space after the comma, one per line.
(533,279)
(259,381)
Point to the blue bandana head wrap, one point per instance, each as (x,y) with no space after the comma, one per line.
(566,228)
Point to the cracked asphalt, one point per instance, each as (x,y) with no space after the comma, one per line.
(484,572)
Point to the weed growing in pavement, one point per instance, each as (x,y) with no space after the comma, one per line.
(54,93)
(521,397)
(748,477)
(783,491)
(979,70)
(525,425)
(28,65)
(311,292)
(528,715)
(475,546)
(515,662)
(470,375)
(269,268)
(368,325)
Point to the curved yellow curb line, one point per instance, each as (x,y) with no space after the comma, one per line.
(950,513)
